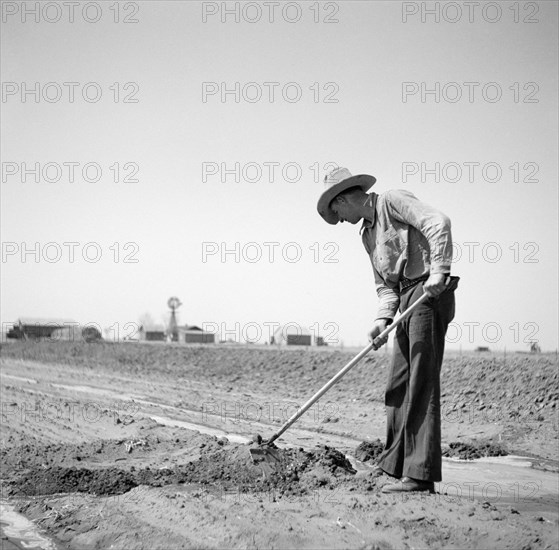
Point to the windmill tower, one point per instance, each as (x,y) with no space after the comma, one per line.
(174,303)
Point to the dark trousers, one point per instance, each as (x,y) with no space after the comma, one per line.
(413,393)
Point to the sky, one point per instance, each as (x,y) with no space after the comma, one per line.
(191,180)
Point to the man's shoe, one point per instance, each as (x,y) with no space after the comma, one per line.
(409,485)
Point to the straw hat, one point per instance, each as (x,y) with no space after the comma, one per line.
(335,183)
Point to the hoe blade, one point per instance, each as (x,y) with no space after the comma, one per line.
(265,457)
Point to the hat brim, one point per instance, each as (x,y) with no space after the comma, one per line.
(364,181)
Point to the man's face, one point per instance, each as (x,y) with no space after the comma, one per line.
(345,211)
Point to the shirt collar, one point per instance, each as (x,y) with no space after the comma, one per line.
(372,202)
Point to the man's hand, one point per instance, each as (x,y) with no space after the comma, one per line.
(378,327)
(435,284)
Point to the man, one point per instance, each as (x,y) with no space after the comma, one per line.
(410,247)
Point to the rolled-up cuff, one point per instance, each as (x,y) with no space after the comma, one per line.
(387,313)
(440,268)
(388,320)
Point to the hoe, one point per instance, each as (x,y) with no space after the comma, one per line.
(266,453)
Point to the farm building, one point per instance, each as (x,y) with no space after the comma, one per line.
(32,328)
(191,334)
(292,335)
(187,334)
(153,333)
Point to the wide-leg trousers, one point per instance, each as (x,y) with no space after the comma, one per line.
(413,392)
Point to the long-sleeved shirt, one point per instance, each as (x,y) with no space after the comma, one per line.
(406,239)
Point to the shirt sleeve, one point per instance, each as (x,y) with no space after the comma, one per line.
(432,223)
(389,299)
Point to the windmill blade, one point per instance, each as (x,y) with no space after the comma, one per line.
(174,303)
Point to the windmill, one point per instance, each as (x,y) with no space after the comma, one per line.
(174,303)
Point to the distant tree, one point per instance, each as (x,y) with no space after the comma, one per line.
(91,334)
(534,347)
(165,320)
(146,320)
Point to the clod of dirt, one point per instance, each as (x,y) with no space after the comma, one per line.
(470,451)
(369,451)
(110,481)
